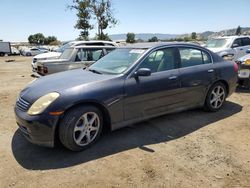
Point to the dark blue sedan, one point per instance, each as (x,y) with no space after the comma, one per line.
(129,85)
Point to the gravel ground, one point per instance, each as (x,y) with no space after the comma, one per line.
(188,149)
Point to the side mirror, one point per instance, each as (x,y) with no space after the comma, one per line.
(235,45)
(248,51)
(142,72)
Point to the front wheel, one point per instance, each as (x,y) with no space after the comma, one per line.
(81,127)
(216,97)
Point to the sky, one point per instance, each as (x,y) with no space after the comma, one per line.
(21,18)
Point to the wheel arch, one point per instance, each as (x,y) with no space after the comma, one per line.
(99,105)
(217,81)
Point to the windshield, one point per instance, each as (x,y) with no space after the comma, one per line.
(217,43)
(64,47)
(66,53)
(117,61)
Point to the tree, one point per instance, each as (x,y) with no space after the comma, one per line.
(37,38)
(153,39)
(130,38)
(186,39)
(84,16)
(194,35)
(50,39)
(94,10)
(238,31)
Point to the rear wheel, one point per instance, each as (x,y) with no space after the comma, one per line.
(216,97)
(81,127)
(2,54)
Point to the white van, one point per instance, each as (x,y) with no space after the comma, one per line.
(5,48)
(229,47)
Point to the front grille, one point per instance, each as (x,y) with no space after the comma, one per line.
(22,104)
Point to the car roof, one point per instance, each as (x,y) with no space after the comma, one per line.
(74,43)
(148,45)
(231,37)
(92,46)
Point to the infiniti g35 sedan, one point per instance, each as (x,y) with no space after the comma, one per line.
(130,84)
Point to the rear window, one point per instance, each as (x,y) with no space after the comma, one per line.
(192,57)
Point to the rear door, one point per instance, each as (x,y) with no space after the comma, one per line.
(196,74)
(155,94)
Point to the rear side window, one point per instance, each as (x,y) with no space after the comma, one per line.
(191,57)
(246,41)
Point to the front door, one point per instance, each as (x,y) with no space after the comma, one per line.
(155,94)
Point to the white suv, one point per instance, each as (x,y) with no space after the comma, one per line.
(230,47)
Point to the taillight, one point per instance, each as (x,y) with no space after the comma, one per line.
(236,67)
(45,70)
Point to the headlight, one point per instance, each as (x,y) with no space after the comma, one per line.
(247,62)
(42,103)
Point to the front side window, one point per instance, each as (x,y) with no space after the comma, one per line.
(160,60)
(246,41)
(88,54)
(192,57)
(238,42)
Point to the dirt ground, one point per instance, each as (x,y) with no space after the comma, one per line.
(188,149)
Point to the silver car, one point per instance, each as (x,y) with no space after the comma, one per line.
(73,58)
(229,47)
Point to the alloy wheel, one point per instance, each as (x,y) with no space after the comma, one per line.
(217,97)
(86,129)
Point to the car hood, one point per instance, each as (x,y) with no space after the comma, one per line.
(244,58)
(48,55)
(216,50)
(62,83)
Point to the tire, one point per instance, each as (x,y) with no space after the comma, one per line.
(77,132)
(216,97)
(2,54)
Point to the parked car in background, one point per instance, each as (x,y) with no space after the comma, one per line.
(58,52)
(34,51)
(229,47)
(128,85)
(73,58)
(5,48)
(244,70)
(14,51)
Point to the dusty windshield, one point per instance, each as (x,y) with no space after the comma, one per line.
(117,61)
(66,53)
(217,43)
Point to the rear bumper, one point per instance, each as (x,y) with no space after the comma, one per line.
(39,130)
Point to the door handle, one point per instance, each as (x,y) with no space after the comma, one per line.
(173,77)
(210,70)
(241,49)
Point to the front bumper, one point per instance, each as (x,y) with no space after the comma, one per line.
(39,130)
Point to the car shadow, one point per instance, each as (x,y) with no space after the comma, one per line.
(154,131)
(241,89)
